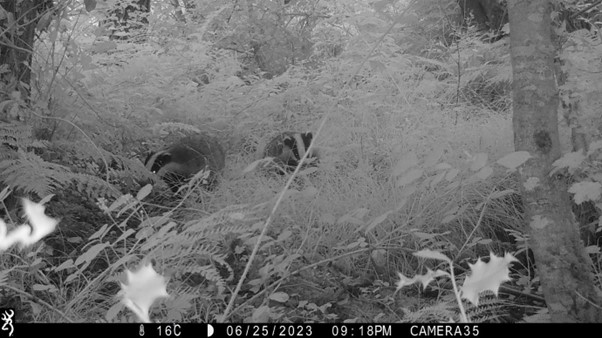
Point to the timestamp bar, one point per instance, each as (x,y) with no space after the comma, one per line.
(396,330)
(178,330)
(305,330)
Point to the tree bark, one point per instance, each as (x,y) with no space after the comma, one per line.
(562,264)
(487,14)
(16,42)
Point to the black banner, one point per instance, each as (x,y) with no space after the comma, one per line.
(293,330)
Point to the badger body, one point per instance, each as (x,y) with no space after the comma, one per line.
(185,158)
(287,149)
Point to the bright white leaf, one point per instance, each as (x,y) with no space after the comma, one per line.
(41,225)
(142,289)
(486,277)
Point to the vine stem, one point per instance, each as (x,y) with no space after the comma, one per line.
(457,292)
(226,313)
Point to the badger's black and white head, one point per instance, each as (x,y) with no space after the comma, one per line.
(157,160)
(170,168)
(288,148)
(185,158)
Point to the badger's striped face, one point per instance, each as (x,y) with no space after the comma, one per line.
(173,167)
(154,162)
(288,148)
(179,164)
(191,156)
(161,163)
(297,144)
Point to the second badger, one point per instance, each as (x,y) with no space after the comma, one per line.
(186,157)
(287,149)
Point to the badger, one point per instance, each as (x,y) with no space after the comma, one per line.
(186,157)
(287,149)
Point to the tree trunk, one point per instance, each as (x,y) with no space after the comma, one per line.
(562,264)
(487,14)
(17,43)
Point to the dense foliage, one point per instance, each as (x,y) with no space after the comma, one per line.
(409,104)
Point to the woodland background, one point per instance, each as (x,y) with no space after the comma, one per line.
(410,103)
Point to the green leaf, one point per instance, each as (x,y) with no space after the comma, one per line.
(426,253)
(478,161)
(514,160)
(586,191)
(281,297)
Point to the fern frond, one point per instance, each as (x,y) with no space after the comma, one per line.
(439,312)
(490,308)
(190,248)
(211,274)
(124,168)
(31,174)
(231,215)
(15,136)
(173,127)
(93,186)
(200,248)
